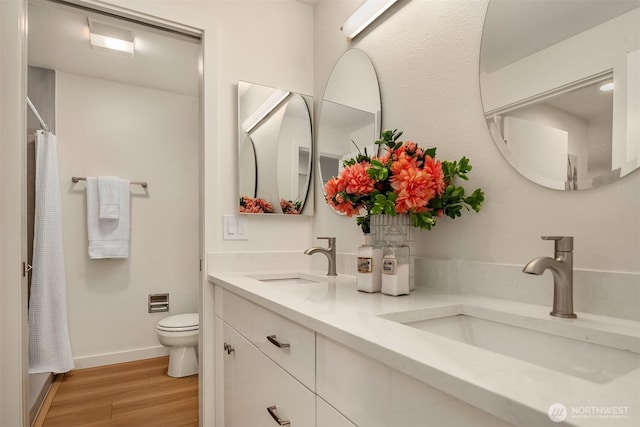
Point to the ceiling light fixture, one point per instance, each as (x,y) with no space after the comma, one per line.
(607,87)
(365,15)
(109,38)
(270,104)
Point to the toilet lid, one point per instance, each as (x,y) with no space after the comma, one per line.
(179,322)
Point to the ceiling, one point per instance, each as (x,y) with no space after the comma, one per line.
(587,103)
(515,29)
(58,39)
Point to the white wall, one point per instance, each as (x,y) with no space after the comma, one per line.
(426,54)
(263,41)
(109,128)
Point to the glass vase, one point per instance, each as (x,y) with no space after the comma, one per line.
(383,225)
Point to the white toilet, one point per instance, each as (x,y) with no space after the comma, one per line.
(180,334)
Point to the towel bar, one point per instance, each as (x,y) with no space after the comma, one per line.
(143,184)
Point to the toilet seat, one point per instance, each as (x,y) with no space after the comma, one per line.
(179,323)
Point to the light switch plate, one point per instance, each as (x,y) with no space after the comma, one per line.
(235,227)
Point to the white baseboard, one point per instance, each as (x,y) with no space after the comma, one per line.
(119,357)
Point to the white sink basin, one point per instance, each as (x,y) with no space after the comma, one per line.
(287,278)
(581,348)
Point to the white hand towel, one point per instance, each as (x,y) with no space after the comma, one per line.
(109,197)
(108,238)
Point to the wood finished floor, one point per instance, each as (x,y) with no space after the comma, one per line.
(128,394)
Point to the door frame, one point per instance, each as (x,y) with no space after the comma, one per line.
(14,331)
(14,339)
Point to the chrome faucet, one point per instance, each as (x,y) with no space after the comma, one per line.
(329,252)
(562,268)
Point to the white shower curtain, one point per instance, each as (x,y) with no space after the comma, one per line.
(49,342)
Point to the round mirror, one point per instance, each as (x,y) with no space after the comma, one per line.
(560,84)
(247,164)
(274,130)
(294,156)
(349,114)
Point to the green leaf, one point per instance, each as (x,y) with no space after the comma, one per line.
(362,158)
(475,200)
(423,220)
(384,204)
(365,223)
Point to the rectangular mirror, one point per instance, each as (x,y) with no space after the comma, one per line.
(275,151)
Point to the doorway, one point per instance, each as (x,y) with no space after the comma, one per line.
(136,116)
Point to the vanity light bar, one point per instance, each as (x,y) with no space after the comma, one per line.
(270,104)
(365,15)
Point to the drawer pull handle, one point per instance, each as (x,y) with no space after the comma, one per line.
(273,340)
(273,411)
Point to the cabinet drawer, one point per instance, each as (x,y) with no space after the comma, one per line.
(289,345)
(253,383)
(371,393)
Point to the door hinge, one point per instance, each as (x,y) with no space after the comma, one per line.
(26,268)
(200,264)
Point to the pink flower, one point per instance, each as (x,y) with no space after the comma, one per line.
(290,208)
(356,180)
(415,186)
(434,168)
(255,205)
(384,159)
(410,147)
(336,197)
(332,188)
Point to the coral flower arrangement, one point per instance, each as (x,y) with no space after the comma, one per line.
(255,205)
(291,207)
(406,179)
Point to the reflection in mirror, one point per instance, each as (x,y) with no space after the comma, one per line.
(274,130)
(541,89)
(294,156)
(247,164)
(565,138)
(349,114)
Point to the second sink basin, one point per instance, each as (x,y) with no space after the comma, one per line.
(591,353)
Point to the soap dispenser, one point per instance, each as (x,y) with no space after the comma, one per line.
(395,264)
(369,266)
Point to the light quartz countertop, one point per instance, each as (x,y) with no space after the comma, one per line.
(516,391)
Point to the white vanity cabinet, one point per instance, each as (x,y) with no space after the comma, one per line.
(311,380)
(255,385)
(327,416)
(288,344)
(371,393)
(267,365)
